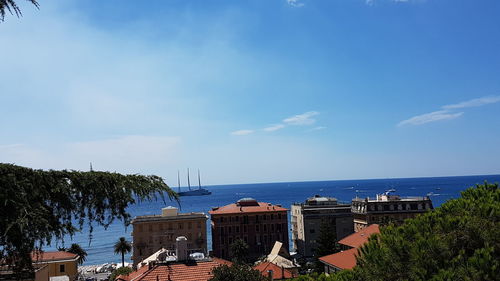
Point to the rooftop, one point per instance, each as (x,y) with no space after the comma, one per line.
(278,272)
(341,260)
(391,198)
(248,205)
(52,256)
(179,216)
(359,238)
(178,271)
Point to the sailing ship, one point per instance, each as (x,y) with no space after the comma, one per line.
(192,192)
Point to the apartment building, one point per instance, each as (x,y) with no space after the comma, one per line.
(259,224)
(307,218)
(385,208)
(151,233)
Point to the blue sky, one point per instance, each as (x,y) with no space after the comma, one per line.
(254,91)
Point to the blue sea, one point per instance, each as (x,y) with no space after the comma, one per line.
(441,189)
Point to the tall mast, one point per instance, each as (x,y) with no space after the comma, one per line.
(178,181)
(199,182)
(189,184)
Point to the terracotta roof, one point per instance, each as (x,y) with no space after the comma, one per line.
(235,209)
(359,238)
(52,256)
(133,275)
(278,272)
(195,271)
(341,260)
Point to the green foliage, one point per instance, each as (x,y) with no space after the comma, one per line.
(122,246)
(458,241)
(120,271)
(239,251)
(240,272)
(76,249)
(12,8)
(327,243)
(344,275)
(38,207)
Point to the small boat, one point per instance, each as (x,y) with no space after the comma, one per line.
(192,192)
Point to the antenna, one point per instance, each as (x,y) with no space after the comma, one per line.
(178,181)
(91,167)
(199,182)
(189,184)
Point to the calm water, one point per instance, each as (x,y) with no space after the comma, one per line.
(443,188)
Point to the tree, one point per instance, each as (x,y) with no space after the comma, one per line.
(120,271)
(12,8)
(76,249)
(39,207)
(326,243)
(122,247)
(240,272)
(239,251)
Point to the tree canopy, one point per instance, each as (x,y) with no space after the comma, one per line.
(38,207)
(326,244)
(240,272)
(11,7)
(122,246)
(239,251)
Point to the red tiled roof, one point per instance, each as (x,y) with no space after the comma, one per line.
(278,272)
(133,275)
(235,209)
(341,260)
(52,256)
(196,271)
(359,238)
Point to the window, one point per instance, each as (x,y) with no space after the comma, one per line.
(265,227)
(237,229)
(180,225)
(190,225)
(140,227)
(257,228)
(272,216)
(279,216)
(312,230)
(244,228)
(199,224)
(62,268)
(237,218)
(150,227)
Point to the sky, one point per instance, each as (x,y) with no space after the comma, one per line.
(253,91)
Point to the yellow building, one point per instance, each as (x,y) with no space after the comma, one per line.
(59,263)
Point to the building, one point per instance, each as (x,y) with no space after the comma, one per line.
(274,272)
(40,273)
(151,233)
(175,265)
(259,224)
(307,218)
(278,264)
(387,208)
(346,259)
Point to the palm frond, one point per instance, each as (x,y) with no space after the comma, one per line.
(11,7)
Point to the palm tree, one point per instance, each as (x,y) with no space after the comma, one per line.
(122,247)
(11,7)
(76,249)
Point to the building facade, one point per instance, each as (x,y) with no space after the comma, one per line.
(307,218)
(259,224)
(151,233)
(387,208)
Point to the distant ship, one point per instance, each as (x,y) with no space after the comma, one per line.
(192,192)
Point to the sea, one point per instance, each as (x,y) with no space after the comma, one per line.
(440,189)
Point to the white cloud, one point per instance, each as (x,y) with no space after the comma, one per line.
(474,102)
(126,154)
(447,111)
(430,117)
(295,3)
(242,132)
(302,119)
(274,128)
(317,128)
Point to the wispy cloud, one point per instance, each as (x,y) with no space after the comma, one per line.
(474,102)
(430,117)
(274,128)
(317,128)
(295,3)
(302,119)
(447,111)
(242,132)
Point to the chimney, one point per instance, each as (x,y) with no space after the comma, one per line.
(270,275)
(181,248)
(169,211)
(282,272)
